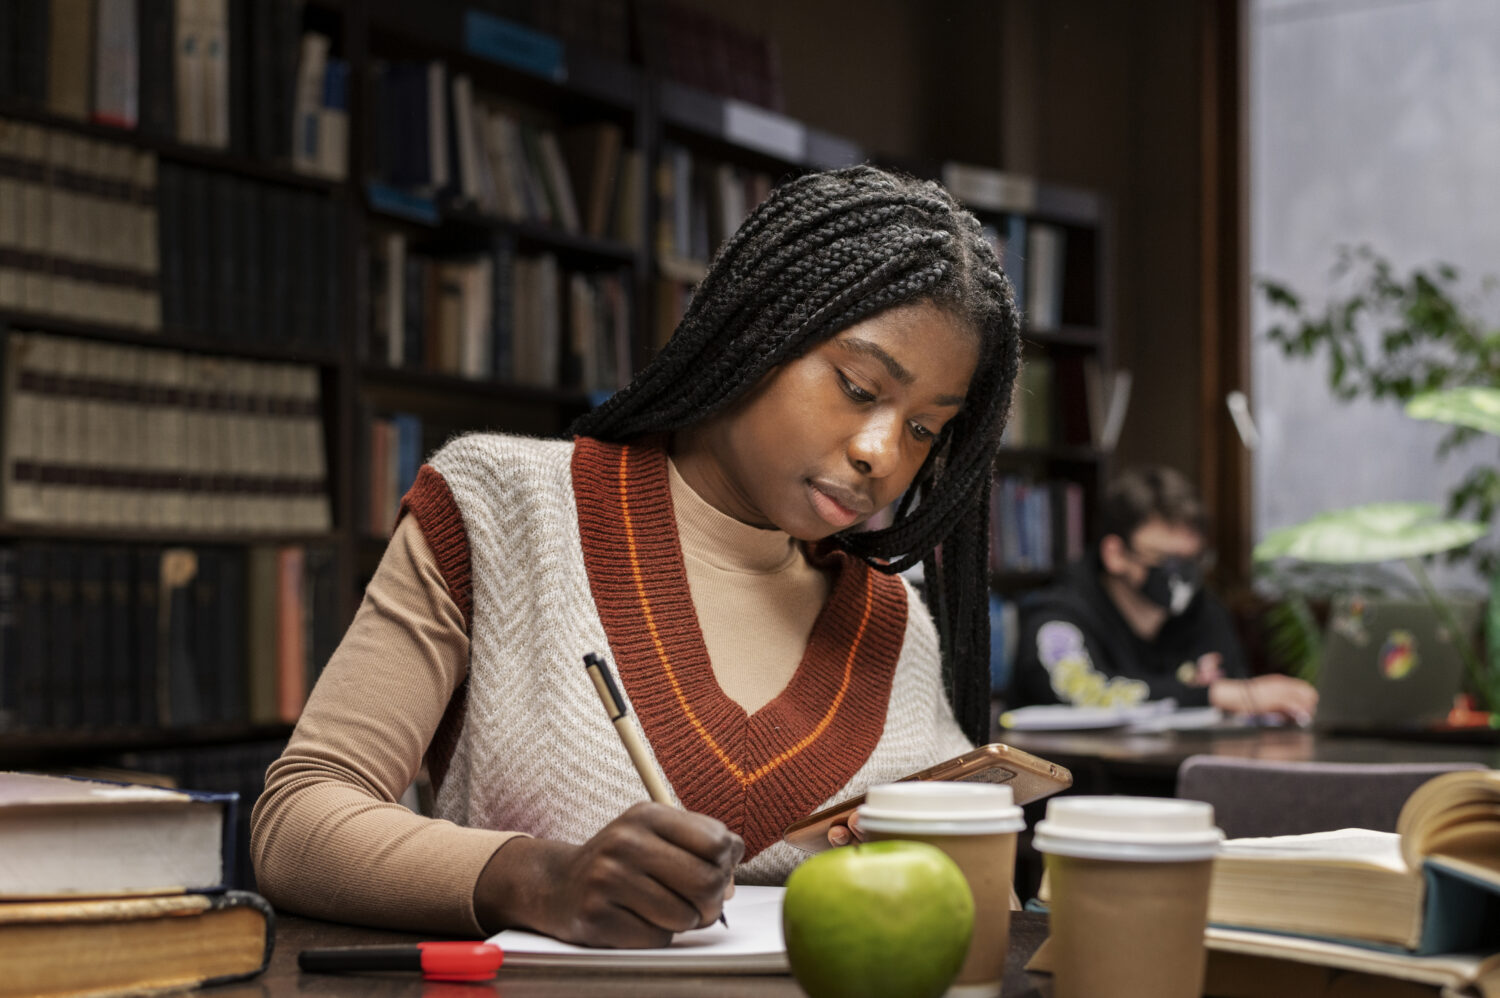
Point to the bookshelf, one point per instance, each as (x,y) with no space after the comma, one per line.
(341,260)
(1055,459)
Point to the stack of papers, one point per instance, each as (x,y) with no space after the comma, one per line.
(1065,717)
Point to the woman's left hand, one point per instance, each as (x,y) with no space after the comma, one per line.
(842,835)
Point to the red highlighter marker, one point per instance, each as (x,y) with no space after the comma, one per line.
(436,961)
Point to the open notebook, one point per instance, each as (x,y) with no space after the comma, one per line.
(751,945)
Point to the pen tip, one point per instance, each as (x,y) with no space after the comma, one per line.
(723,921)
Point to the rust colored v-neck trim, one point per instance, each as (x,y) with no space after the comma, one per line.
(756,773)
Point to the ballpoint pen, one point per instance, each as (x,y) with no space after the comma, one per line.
(614,705)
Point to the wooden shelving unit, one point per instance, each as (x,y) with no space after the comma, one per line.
(667,124)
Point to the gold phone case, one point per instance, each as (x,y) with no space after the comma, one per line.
(1030,779)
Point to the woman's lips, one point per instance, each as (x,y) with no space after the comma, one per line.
(837,506)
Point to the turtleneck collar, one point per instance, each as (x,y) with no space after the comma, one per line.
(710,536)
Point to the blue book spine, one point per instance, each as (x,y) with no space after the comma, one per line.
(408,449)
(515,45)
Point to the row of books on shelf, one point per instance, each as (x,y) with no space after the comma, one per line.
(108,636)
(436,138)
(701,49)
(598,26)
(78,227)
(245,262)
(500,315)
(1077,402)
(700,202)
(111,435)
(239,75)
(1035,526)
(396,451)
(1032,254)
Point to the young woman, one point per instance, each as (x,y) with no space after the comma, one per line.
(853,345)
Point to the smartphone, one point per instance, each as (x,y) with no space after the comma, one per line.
(1030,779)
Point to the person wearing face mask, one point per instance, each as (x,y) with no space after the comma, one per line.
(1132,622)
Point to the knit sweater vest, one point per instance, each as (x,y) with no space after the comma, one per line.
(553,550)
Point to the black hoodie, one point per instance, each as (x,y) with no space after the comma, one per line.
(1075,647)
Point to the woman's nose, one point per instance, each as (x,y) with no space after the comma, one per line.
(875,450)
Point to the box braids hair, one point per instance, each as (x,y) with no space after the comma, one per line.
(824,252)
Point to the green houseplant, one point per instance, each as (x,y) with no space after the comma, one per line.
(1381,532)
(1410,338)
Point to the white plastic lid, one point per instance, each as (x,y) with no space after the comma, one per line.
(940,807)
(1141,829)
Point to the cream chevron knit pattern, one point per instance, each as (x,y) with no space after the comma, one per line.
(535,752)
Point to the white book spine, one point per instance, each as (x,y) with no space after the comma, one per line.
(312,66)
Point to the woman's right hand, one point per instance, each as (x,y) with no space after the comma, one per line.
(651,872)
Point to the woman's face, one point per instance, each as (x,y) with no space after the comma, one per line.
(825,440)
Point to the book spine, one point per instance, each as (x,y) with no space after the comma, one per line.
(147,631)
(34,630)
(291,649)
(10,650)
(260,639)
(62,645)
(70,54)
(121,647)
(95,684)
(206,597)
(117,64)
(178,699)
(229,628)
(158,99)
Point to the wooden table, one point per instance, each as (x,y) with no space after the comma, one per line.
(294,934)
(1116,762)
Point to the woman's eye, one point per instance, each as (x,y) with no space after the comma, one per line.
(852,390)
(922,433)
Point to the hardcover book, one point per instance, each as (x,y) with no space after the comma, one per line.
(1432,886)
(71,838)
(133,945)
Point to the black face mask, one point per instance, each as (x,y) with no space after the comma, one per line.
(1173,584)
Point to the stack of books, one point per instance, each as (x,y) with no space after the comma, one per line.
(1349,911)
(112,888)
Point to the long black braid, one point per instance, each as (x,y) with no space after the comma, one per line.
(824,252)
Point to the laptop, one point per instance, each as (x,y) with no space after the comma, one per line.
(1391,664)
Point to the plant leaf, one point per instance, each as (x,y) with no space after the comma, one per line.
(1476,407)
(1369,533)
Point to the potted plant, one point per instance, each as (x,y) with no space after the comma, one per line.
(1407,338)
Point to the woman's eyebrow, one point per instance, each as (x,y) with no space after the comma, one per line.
(892,365)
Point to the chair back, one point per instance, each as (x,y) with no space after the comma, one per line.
(1255,797)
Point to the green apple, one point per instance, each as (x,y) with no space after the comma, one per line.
(877,920)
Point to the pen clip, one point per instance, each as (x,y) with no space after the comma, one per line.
(605,684)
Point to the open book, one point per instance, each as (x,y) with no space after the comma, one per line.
(751,944)
(1432,886)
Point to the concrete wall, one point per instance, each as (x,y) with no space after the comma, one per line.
(1378,122)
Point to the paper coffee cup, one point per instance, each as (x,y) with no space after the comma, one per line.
(1129,880)
(976,825)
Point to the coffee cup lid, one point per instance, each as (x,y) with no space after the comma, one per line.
(940,807)
(1142,829)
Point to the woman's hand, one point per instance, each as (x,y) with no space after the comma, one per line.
(651,872)
(842,835)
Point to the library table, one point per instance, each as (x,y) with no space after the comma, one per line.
(294,934)
(1113,761)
